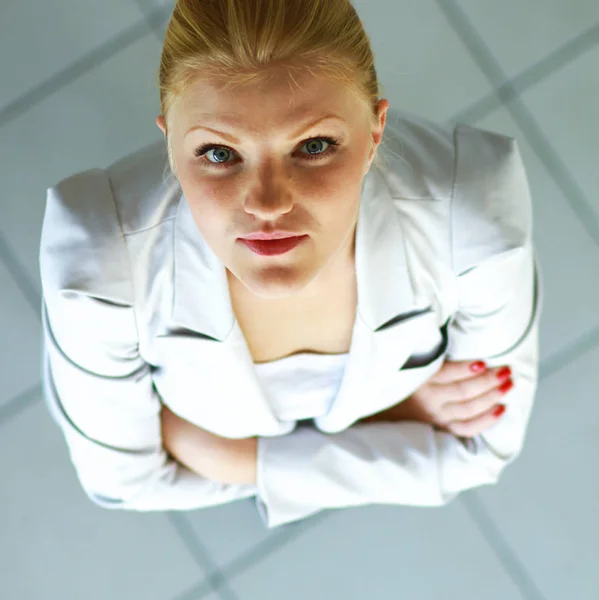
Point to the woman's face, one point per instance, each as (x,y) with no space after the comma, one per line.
(254,158)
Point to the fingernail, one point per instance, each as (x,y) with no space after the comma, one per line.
(503,373)
(506,387)
(478,366)
(499,410)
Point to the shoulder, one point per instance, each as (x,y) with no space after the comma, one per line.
(88,214)
(491,207)
(418,157)
(135,192)
(478,174)
(144,190)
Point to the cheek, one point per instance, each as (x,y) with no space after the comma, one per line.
(340,179)
(211,209)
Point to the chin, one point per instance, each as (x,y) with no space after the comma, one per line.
(278,283)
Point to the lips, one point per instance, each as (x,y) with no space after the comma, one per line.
(274,247)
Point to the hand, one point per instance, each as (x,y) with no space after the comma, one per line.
(455,399)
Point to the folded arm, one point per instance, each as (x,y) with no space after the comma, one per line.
(407,463)
(96,385)
(497,320)
(209,455)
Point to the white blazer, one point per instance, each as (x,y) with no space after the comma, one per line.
(136,312)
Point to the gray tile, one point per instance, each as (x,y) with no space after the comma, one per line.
(37,39)
(565,107)
(100,117)
(381,552)
(420,60)
(150,4)
(20,340)
(201,596)
(546,503)
(521,32)
(157,20)
(569,257)
(57,545)
(235,532)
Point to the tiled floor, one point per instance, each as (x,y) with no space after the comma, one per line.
(78,90)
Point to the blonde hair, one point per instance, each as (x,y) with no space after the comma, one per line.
(237,41)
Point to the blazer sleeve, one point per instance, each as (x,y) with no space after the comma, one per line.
(412,463)
(97,387)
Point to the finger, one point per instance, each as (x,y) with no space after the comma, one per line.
(469,389)
(475,426)
(471,395)
(458,370)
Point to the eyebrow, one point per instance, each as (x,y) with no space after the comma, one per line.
(295,135)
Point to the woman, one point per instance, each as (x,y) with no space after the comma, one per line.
(364,357)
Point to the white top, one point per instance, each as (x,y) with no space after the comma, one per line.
(302,386)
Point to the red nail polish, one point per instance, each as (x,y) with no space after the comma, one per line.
(504,388)
(478,366)
(499,410)
(503,373)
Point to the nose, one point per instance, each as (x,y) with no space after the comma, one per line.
(269,208)
(270,197)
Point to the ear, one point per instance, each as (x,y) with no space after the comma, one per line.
(377,134)
(161,124)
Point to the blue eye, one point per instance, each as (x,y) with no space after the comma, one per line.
(222,153)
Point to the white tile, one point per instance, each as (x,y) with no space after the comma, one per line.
(234,530)
(565,107)
(102,116)
(38,39)
(383,552)
(57,544)
(420,60)
(521,32)
(569,257)
(546,503)
(20,339)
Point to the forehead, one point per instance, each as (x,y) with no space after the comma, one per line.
(272,102)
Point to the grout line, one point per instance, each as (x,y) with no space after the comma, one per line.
(19,403)
(568,355)
(78,68)
(473,43)
(539,142)
(154,19)
(215,579)
(19,276)
(257,553)
(272,544)
(514,567)
(557,170)
(531,75)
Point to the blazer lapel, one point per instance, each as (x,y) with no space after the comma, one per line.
(393,318)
